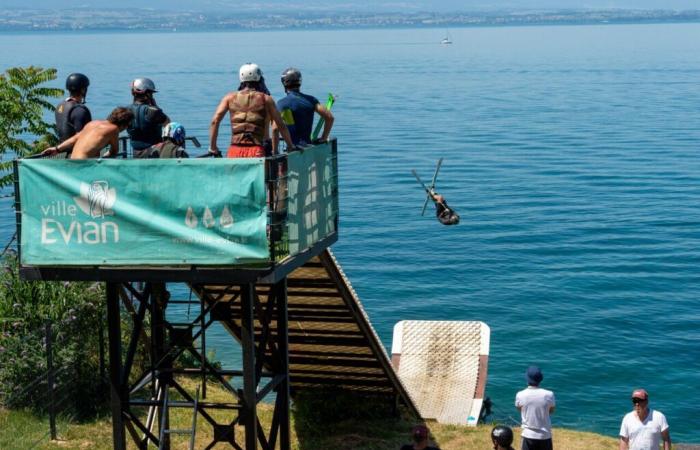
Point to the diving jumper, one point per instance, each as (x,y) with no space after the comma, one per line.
(445,214)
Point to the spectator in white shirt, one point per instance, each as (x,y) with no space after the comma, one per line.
(643,428)
(535,405)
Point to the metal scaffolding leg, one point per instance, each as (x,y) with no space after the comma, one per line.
(117,388)
(249,416)
(282,403)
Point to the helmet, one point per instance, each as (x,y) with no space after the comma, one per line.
(249,72)
(175,131)
(143,85)
(77,82)
(291,77)
(502,436)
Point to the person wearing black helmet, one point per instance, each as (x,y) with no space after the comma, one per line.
(298,110)
(147,127)
(72,114)
(502,438)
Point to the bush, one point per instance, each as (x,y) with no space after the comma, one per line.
(74,312)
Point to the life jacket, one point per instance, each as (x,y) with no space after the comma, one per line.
(143,133)
(248,117)
(64,127)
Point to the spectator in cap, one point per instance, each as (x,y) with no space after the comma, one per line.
(643,428)
(419,435)
(535,405)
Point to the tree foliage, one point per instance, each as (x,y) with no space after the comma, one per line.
(24,101)
(74,312)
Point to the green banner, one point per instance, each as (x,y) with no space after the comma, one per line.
(313,196)
(143,212)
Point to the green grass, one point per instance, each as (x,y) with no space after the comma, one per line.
(21,429)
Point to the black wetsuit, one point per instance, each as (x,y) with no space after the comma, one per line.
(445,214)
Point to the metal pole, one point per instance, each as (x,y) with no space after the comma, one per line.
(158,337)
(283,350)
(248,413)
(50,381)
(203,325)
(115,366)
(101,343)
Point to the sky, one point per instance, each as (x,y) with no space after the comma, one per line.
(345,5)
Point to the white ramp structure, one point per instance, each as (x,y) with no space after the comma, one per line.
(443,365)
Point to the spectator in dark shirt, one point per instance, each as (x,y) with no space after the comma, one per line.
(297,110)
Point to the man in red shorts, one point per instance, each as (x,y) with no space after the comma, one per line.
(251,111)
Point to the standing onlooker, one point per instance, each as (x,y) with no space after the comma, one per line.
(502,438)
(535,405)
(419,435)
(72,114)
(643,428)
(250,111)
(297,110)
(147,127)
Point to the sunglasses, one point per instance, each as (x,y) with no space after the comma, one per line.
(638,400)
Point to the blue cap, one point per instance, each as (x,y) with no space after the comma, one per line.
(533,375)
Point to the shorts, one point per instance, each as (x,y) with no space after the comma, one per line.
(246,151)
(536,444)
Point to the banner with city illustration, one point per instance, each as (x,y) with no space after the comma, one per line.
(147,212)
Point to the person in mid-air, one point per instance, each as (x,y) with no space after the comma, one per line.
(298,110)
(445,214)
(147,127)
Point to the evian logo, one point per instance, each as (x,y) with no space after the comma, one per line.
(60,221)
(96,199)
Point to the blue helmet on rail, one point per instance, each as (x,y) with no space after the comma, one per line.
(175,132)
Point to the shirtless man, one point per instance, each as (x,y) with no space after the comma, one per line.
(251,111)
(95,136)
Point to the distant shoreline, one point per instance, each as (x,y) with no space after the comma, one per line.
(105,30)
(116,20)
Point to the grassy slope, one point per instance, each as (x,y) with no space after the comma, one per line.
(19,430)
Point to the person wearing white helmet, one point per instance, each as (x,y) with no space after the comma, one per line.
(250,111)
(147,127)
(298,110)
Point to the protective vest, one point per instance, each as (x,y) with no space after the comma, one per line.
(143,133)
(248,118)
(65,128)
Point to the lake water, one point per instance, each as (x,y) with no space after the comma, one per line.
(571,153)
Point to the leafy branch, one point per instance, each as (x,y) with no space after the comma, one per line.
(23,104)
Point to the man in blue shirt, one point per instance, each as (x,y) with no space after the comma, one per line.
(298,110)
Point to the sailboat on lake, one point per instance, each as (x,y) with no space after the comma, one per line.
(447,39)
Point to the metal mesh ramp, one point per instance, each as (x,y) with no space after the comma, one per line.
(331,341)
(443,364)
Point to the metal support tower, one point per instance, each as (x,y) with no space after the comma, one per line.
(141,401)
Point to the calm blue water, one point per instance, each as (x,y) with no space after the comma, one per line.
(572,154)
